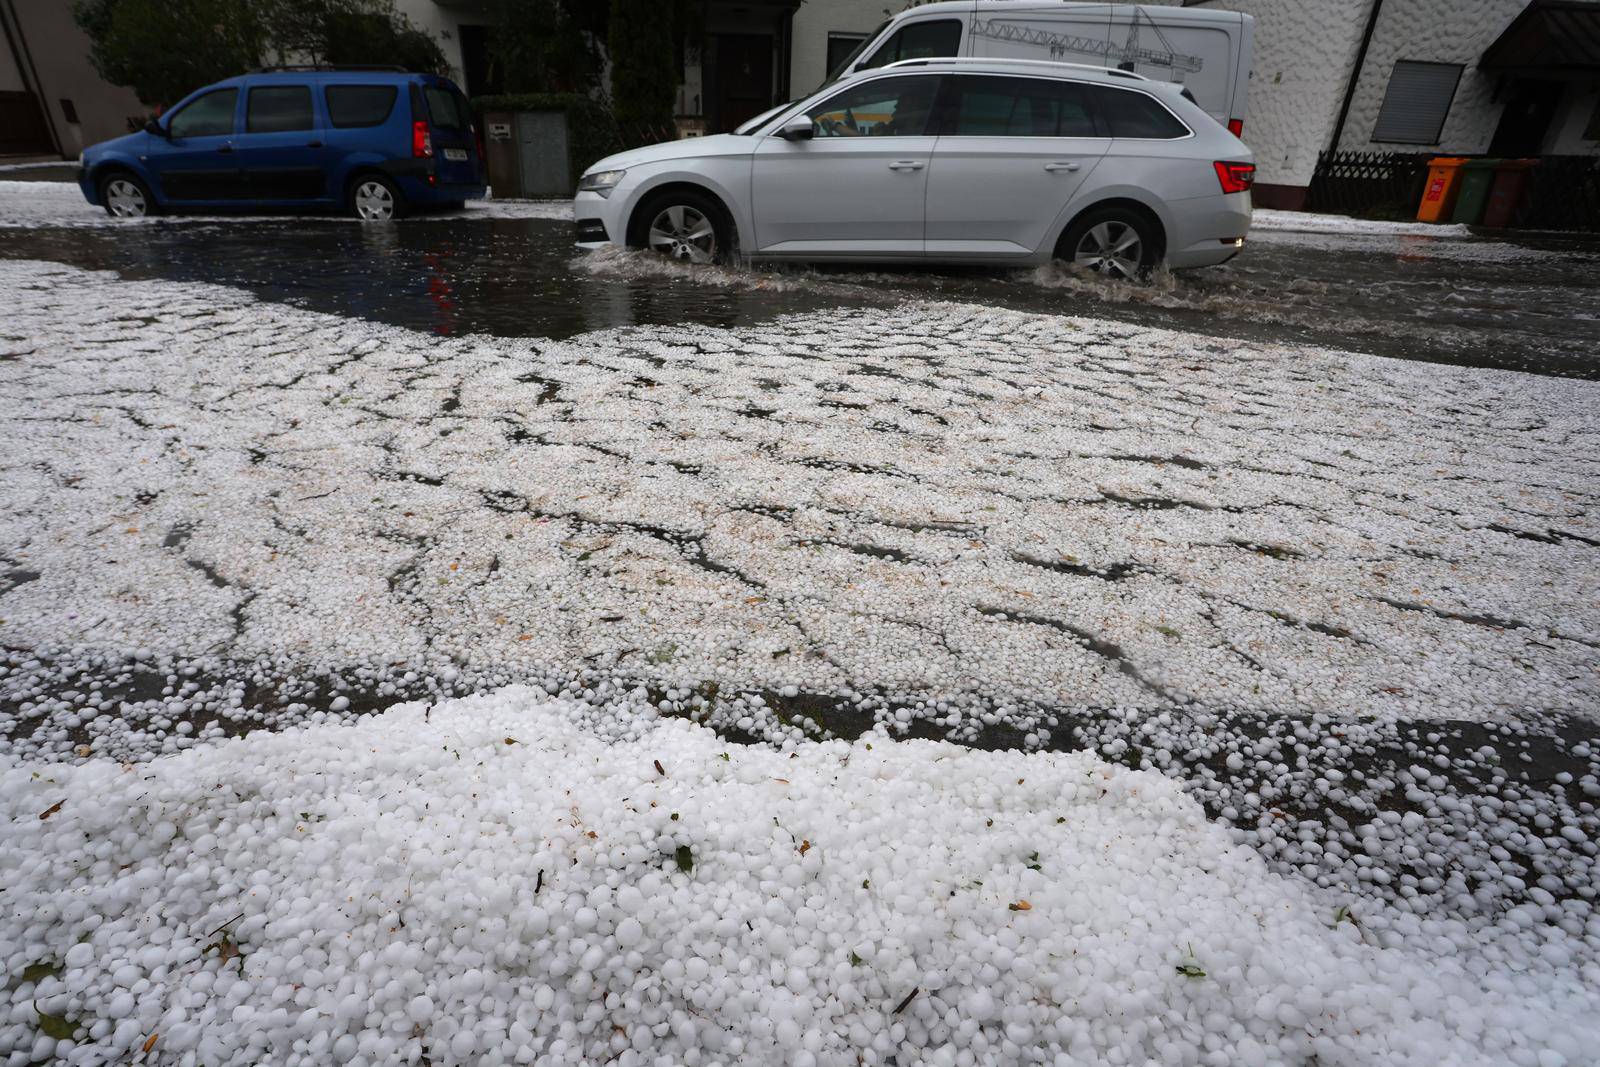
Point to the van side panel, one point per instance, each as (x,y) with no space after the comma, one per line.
(1202,50)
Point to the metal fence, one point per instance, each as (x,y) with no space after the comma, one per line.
(1368,183)
(1563,192)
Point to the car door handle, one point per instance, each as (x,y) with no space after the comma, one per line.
(1055,168)
(226,148)
(906,164)
(313,144)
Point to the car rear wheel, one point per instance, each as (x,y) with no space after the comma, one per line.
(685,226)
(374,198)
(126,197)
(1116,242)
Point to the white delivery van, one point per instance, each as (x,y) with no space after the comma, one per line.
(1207,52)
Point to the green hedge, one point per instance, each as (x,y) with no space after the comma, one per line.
(592,131)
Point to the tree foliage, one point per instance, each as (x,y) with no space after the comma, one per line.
(547,46)
(165,49)
(644,61)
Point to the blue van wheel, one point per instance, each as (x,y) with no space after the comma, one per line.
(126,197)
(374,198)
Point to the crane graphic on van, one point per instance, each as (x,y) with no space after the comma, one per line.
(1061,45)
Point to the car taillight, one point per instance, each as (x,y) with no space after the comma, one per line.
(1236,127)
(1235,177)
(421,140)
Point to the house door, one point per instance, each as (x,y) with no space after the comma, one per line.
(1529,110)
(22,125)
(744,78)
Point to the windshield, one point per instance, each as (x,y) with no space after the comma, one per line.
(844,64)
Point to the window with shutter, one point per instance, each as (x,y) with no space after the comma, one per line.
(1416,102)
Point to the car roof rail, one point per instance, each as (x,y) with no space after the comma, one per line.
(331,68)
(998,61)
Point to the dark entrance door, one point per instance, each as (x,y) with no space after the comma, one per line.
(1530,107)
(22,125)
(743,65)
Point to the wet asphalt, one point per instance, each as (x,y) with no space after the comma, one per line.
(1524,302)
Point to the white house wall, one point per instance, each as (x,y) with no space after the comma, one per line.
(1304,52)
(443,23)
(1433,31)
(1442,31)
(815,19)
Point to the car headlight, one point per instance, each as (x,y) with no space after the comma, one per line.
(600,181)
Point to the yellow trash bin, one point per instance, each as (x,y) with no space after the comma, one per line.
(1439,198)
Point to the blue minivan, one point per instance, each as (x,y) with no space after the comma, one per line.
(373,142)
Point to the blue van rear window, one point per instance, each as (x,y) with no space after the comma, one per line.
(446,108)
(360,105)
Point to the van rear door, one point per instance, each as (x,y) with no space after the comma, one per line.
(455,149)
(1204,50)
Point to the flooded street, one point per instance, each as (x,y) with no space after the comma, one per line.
(1532,304)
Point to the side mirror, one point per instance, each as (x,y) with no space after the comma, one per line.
(797,129)
(156,128)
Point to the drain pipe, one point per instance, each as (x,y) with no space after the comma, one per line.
(1355,74)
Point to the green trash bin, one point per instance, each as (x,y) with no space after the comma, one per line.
(1477,178)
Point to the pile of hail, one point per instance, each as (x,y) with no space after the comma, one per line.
(520,878)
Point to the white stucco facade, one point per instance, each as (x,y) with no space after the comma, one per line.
(443,21)
(816,19)
(1453,31)
(1435,31)
(1304,53)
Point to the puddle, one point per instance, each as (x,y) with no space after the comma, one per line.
(1527,305)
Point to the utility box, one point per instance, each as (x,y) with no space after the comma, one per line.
(527,154)
(542,144)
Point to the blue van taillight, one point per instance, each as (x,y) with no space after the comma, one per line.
(421,140)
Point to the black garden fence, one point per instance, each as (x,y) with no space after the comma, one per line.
(1562,193)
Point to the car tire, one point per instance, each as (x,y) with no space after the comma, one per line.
(124,195)
(374,198)
(684,225)
(1117,242)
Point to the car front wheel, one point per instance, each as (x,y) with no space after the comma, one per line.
(1115,242)
(126,197)
(685,226)
(376,199)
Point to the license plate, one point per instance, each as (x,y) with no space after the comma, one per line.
(456,155)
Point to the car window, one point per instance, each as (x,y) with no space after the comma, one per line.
(1076,118)
(278,109)
(883,107)
(933,39)
(206,116)
(1136,115)
(446,108)
(360,105)
(994,106)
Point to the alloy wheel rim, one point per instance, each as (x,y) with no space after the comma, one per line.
(126,199)
(683,233)
(1111,248)
(374,201)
